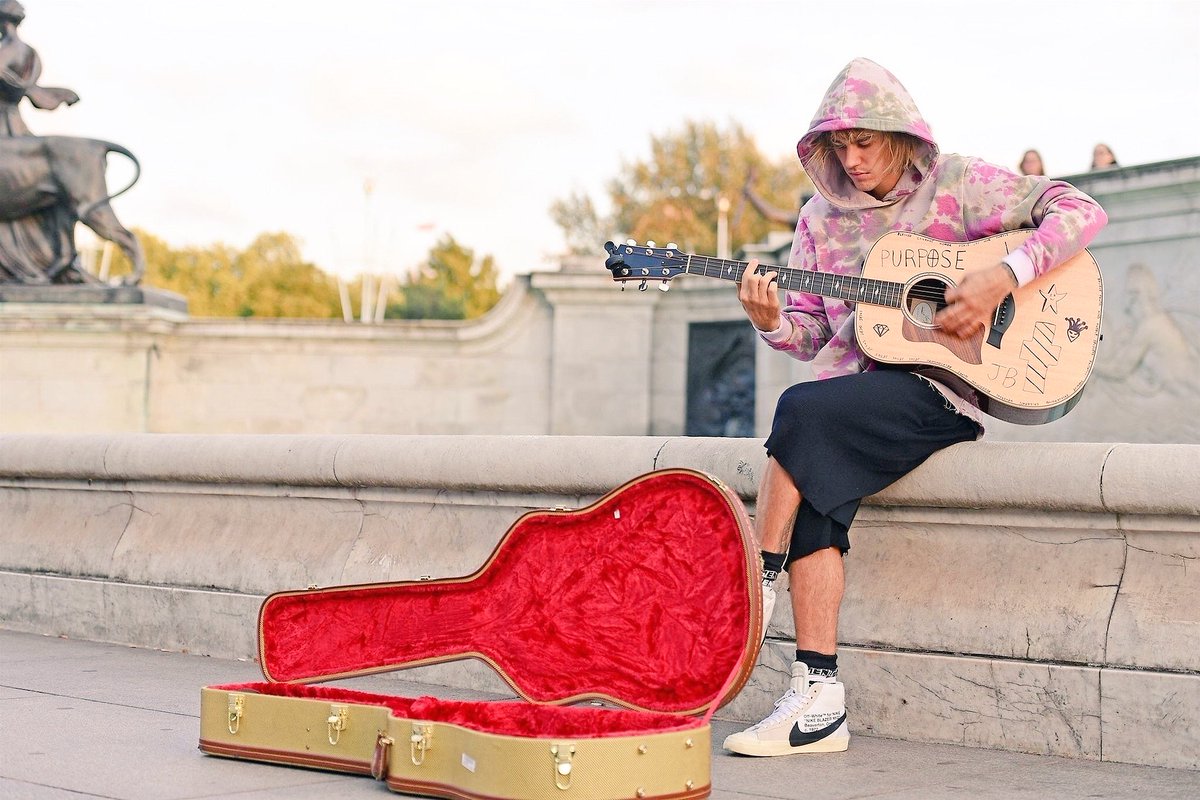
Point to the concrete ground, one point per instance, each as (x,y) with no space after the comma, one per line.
(81,719)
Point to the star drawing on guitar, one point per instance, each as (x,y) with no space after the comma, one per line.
(1050,299)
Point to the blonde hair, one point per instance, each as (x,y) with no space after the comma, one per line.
(900,149)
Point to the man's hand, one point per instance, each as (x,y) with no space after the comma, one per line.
(759,295)
(973,302)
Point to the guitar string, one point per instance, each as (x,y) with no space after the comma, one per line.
(860,287)
(863,287)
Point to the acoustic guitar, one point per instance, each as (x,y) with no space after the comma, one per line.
(1029,365)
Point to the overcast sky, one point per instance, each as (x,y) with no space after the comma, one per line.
(472,117)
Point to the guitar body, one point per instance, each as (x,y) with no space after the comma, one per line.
(1031,363)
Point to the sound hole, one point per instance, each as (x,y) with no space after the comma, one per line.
(924,299)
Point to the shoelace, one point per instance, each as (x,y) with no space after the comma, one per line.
(789,704)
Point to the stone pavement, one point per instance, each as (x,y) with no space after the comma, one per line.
(81,719)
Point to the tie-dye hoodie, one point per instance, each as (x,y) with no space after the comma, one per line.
(946,196)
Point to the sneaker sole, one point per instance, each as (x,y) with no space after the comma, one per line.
(830,744)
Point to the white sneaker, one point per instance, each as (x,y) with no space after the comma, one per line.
(768,607)
(809,718)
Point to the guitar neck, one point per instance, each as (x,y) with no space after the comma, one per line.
(826,284)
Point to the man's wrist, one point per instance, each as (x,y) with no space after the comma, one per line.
(1012,275)
(773,331)
(1021,266)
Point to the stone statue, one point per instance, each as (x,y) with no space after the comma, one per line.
(49,183)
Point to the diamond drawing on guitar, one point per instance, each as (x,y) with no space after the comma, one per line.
(880,329)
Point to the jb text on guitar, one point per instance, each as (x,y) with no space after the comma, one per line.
(1029,365)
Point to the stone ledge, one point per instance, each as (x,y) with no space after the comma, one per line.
(1119,479)
(93,295)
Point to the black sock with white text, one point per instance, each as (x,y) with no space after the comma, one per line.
(772,565)
(819,664)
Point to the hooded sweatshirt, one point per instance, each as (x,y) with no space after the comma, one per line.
(944,196)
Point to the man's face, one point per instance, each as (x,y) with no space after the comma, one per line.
(865,157)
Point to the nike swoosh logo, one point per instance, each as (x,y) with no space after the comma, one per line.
(798,737)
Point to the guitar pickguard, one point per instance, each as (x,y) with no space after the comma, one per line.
(969,351)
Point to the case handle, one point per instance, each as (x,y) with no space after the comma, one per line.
(383,749)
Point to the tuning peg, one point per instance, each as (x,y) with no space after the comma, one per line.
(651,244)
(672,246)
(631,242)
(642,286)
(664,287)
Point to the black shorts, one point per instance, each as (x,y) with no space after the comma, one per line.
(846,438)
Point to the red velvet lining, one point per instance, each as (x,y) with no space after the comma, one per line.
(644,598)
(503,718)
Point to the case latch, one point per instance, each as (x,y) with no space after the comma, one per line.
(237,706)
(339,720)
(562,754)
(421,740)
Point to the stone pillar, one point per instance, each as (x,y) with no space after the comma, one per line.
(602,343)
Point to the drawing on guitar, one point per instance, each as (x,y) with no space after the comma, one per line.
(1029,365)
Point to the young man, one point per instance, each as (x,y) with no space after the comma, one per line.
(857,429)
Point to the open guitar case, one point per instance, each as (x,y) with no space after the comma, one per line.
(648,600)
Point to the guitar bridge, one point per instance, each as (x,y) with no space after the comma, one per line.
(1001,320)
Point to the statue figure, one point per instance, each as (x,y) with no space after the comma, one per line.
(49,183)
(20,69)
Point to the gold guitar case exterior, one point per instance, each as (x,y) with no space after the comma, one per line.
(647,601)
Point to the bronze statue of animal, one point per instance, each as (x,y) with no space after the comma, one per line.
(39,173)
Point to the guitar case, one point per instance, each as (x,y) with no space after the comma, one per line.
(647,601)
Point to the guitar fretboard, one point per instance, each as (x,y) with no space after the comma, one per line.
(825,284)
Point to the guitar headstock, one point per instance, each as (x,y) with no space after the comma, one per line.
(644,262)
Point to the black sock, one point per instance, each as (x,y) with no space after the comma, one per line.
(819,664)
(772,565)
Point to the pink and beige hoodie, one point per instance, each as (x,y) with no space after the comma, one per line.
(945,196)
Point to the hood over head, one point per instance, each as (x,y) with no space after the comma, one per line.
(865,95)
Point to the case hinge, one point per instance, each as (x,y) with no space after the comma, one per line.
(562,754)
(339,720)
(421,741)
(237,706)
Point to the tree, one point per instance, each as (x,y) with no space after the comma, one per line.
(452,284)
(674,195)
(275,281)
(267,279)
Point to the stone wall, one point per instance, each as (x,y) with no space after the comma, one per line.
(1037,597)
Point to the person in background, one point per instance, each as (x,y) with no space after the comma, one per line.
(856,428)
(1102,157)
(1031,163)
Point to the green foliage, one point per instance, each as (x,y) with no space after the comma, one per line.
(453,284)
(673,196)
(270,278)
(267,279)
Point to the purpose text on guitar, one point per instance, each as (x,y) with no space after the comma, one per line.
(1029,365)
